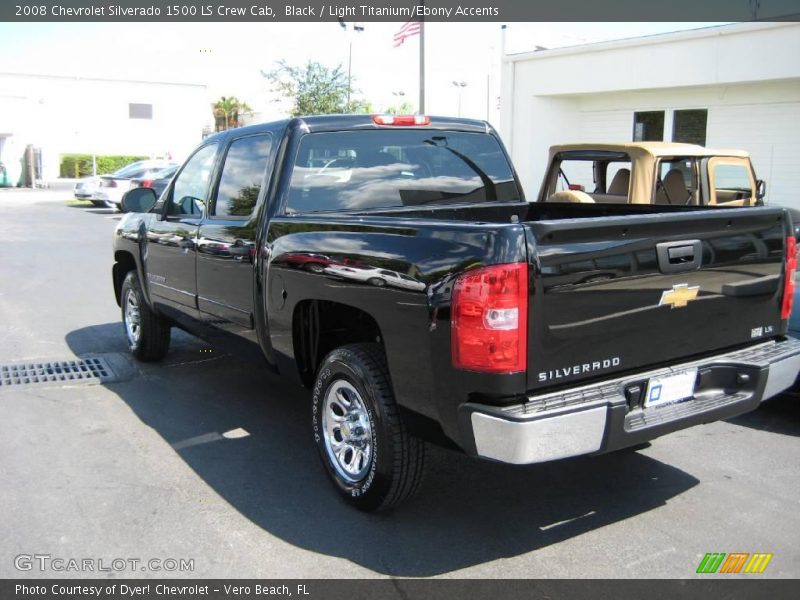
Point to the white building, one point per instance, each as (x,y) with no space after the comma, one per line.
(67,115)
(734,86)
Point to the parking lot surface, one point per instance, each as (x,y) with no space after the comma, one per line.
(208,457)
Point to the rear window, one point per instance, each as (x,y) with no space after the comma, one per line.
(393,168)
(604,175)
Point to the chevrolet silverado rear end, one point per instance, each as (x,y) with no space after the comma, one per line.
(639,322)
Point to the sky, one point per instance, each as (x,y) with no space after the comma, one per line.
(229,58)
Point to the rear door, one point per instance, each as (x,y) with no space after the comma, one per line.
(227,237)
(615,294)
(731,181)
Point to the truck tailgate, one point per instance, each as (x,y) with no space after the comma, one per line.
(614,294)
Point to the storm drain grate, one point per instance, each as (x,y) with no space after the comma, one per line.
(64,371)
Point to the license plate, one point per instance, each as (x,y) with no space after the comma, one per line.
(670,389)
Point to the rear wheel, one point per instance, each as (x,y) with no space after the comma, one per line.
(148,333)
(365,449)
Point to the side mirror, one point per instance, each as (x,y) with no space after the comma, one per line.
(761,189)
(139,200)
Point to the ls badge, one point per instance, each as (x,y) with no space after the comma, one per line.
(679,296)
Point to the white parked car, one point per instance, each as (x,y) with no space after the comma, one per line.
(375,276)
(107,190)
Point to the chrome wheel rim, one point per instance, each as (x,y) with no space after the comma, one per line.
(347,431)
(133,325)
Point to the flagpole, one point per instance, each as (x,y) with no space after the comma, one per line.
(422,62)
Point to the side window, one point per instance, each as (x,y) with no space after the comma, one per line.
(731,182)
(242,176)
(676,182)
(191,185)
(618,179)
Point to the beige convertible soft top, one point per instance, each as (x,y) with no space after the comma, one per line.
(644,156)
(653,149)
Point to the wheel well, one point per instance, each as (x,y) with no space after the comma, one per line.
(123,265)
(320,326)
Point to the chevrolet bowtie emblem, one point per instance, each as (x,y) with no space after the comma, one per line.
(679,296)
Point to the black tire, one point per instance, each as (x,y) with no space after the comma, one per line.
(376,281)
(99,203)
(396,461)
(152,341)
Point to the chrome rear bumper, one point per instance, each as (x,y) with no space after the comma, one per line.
(609,415)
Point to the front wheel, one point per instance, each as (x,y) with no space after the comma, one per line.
(369,456)
(148,333)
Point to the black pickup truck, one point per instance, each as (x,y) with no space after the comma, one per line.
(393,266)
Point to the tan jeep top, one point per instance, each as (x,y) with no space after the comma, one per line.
(652,149)
(645,157)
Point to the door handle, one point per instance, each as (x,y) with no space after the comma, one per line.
(677,257)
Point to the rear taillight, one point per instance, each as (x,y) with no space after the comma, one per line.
(147,183)
(401,119)
(788,282)
(489,319)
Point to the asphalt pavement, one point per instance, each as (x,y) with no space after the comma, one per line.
(207,459)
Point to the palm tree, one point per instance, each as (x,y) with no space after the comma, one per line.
(227,111)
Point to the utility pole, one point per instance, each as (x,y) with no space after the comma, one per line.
(357,29)
(460,85)
(422,62)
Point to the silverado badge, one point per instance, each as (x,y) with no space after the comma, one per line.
(679,296)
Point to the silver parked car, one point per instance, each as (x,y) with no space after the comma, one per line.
(107,190)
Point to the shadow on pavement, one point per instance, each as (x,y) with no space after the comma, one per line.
(467,511)
(778,415)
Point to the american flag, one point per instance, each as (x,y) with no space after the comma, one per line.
(408,29)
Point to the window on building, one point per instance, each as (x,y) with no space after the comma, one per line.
(690,126)
(140,111)
(242,176)
(648,126)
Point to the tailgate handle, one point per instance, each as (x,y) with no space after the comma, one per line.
(676,257)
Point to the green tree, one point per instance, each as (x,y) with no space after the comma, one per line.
(228,111)
(360,107)
(406,108)
(314,89)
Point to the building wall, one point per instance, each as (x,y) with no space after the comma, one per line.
(76,115)
(746,75)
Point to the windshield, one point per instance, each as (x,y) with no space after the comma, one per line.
(166,173)
(127,170)
(142,167)
(392,168)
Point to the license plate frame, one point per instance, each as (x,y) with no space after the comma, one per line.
(670,389)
